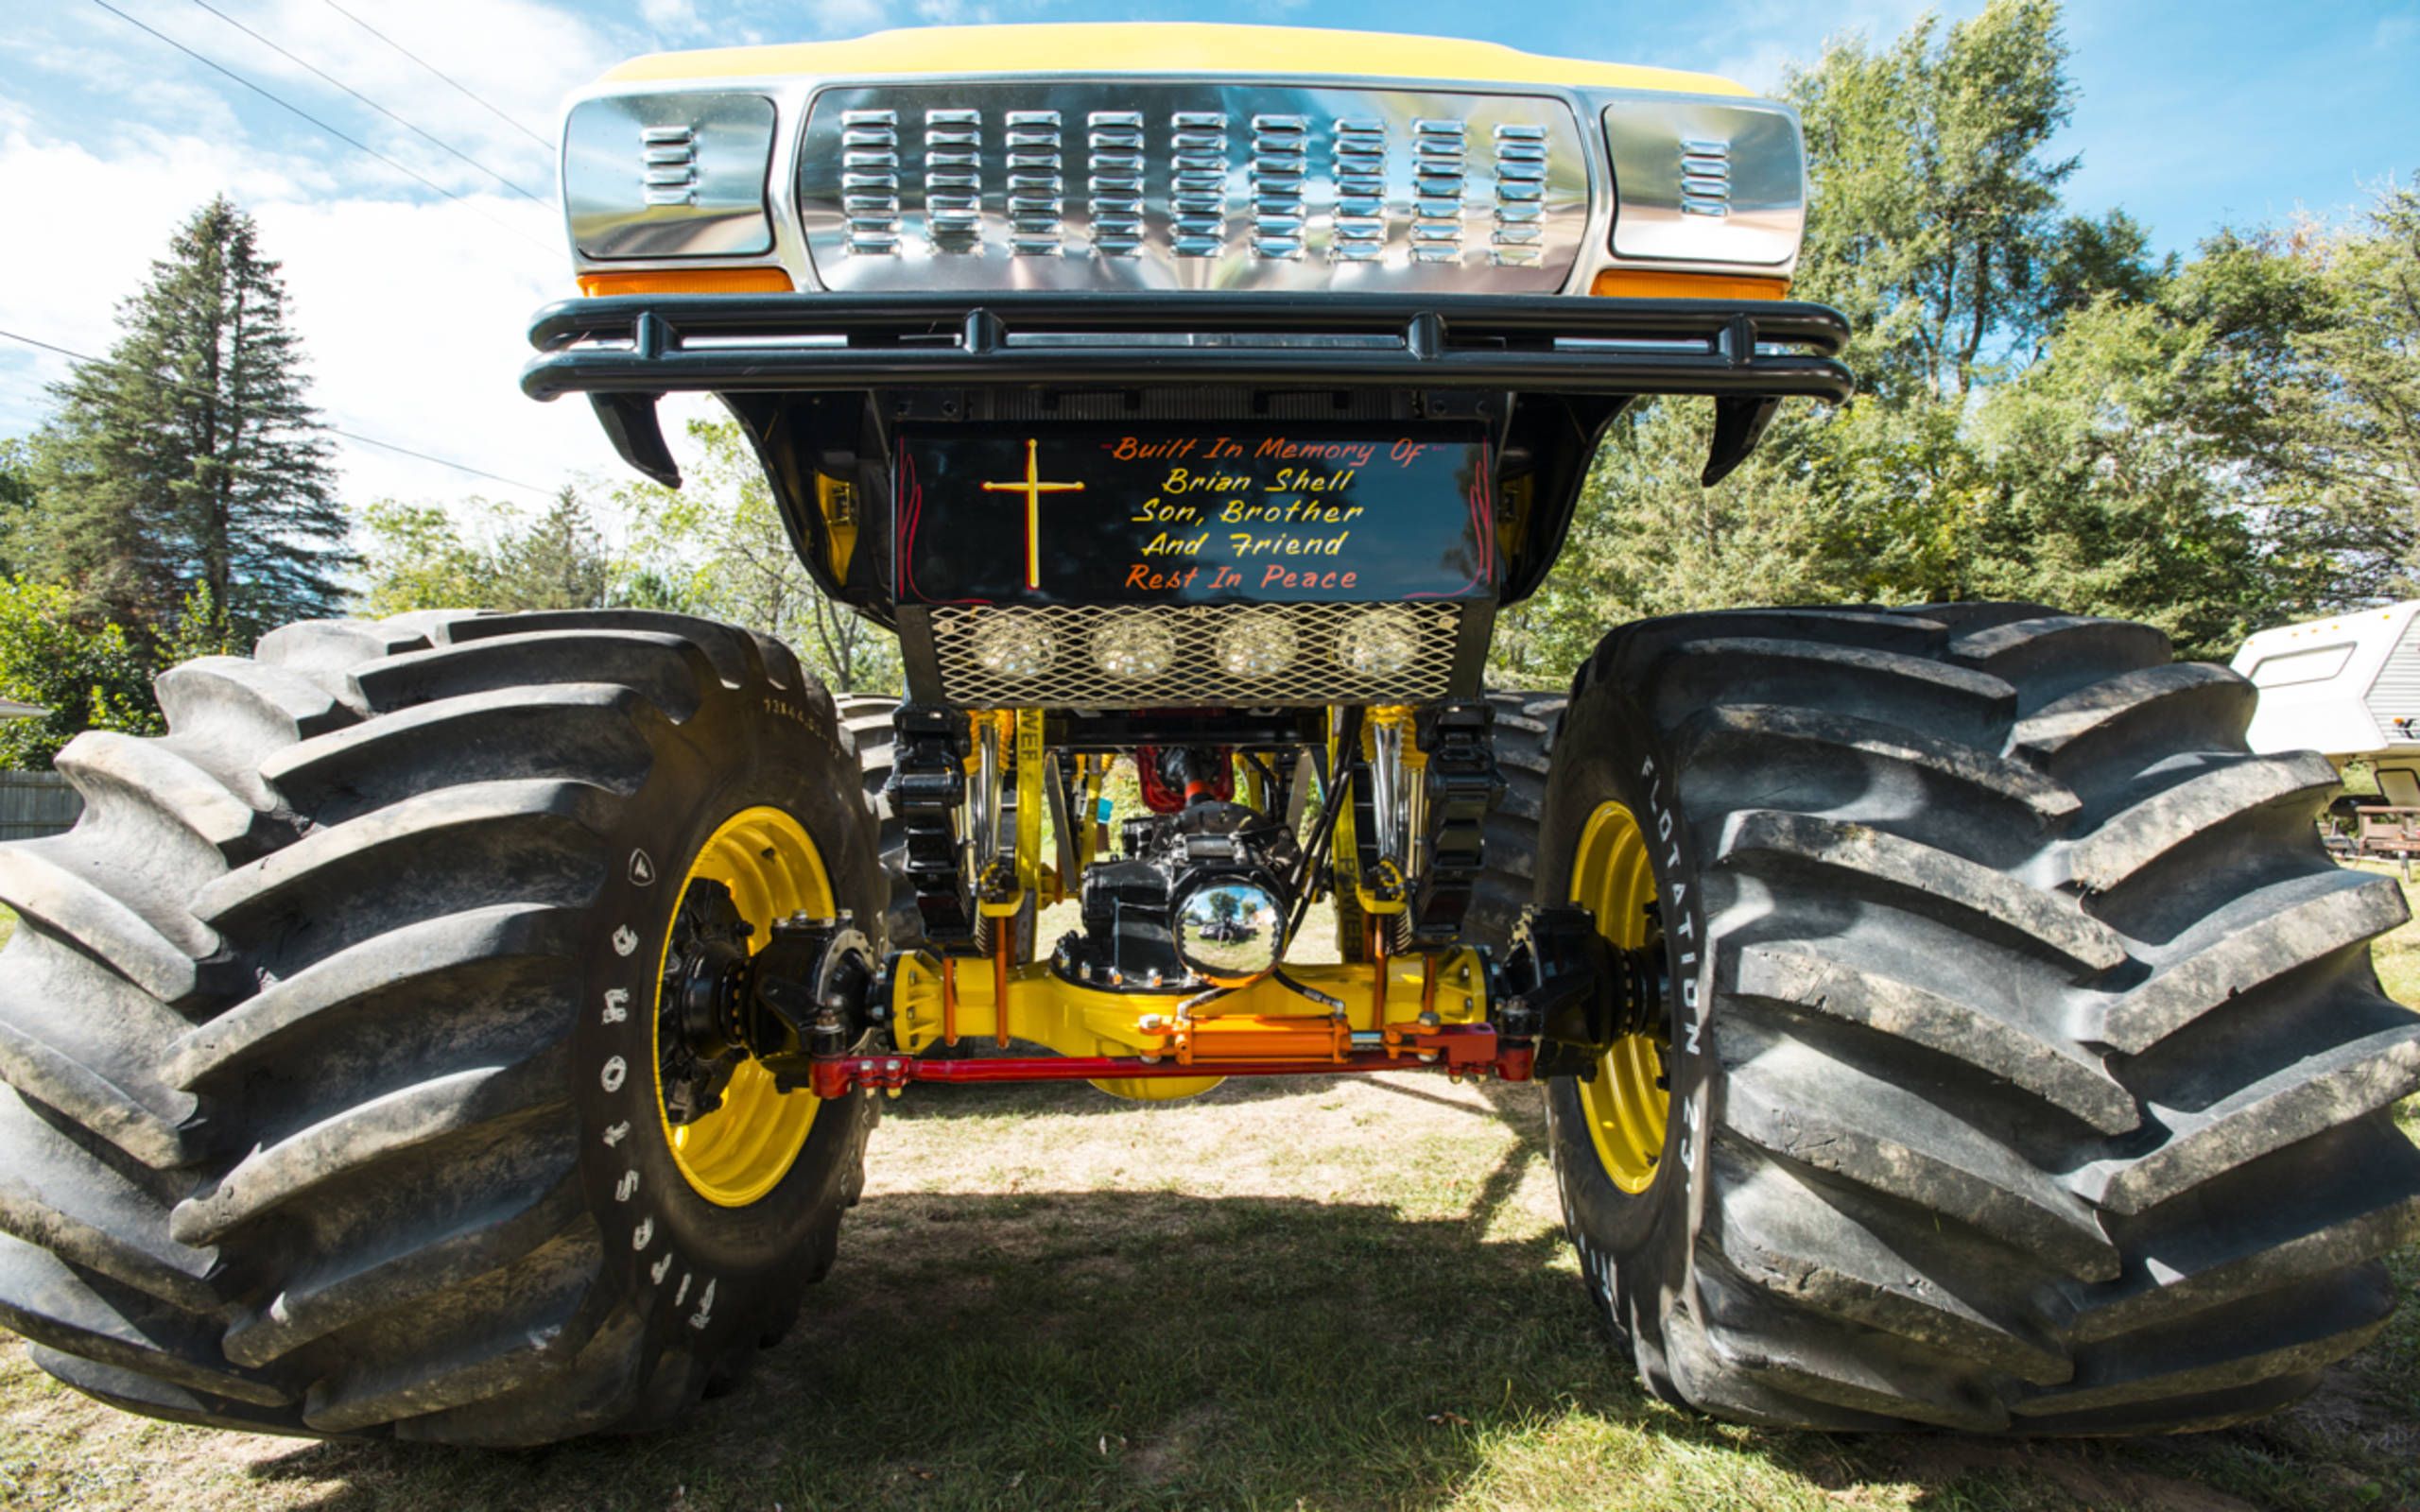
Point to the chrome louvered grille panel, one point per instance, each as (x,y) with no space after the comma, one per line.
(673,174)
(1114,186)
(870,179)
(1194,674)
(1519,234)
(1359,220)
(670,156)
(1439,182)
(1705,178)
(1037,184)
(1281,165)
(1198,181)
(1157,185)
(1719,179)
(951,180)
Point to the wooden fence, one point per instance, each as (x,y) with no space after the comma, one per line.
(34,804)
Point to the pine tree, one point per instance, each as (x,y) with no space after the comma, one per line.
(20,505)
(559,562)
(191,459)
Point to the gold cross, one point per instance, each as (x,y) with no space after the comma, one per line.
(1033,489)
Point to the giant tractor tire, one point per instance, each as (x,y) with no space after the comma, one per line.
(335,1101)
(2023,1067)
(867,718)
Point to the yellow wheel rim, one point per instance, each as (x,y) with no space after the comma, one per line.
(1627,1106)
(741,1150)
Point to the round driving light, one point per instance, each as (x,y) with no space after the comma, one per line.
(1015,646)
(1230,930)
(1378,641)
(1257,646)
(1134,646)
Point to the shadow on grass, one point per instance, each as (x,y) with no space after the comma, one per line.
(1158,1349)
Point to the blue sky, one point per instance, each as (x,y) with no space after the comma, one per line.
(411,304)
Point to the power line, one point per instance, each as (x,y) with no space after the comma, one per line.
(350,436)
(429,137)
(322,124)
(424,62)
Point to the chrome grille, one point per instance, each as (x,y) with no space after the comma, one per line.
(1115,184)
(1705,178)
(1193,676)
(1037,183)
(953,179)
(668,155)
(1520,185)
(1439,179)
(1280,165)
(870,179)
(1189,184)
(1360,168)
(1198,181)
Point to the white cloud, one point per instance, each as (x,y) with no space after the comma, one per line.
(520,57)
(677,17)
(412,315)
(412,311)
(414,318)
(104,72)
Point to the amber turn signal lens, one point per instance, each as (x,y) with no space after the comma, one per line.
(1646,283)
(688,280)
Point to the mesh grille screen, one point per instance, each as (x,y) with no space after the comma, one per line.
(1196,673)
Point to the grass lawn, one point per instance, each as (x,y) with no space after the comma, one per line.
(1351,1294)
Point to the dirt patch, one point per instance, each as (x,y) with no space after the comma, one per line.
(1173,1451)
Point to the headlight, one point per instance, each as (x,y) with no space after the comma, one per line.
(1015,646)
(668,175)
(1378,642)
(1257,646)
(1134,646)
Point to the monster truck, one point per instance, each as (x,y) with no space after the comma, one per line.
(466,1027)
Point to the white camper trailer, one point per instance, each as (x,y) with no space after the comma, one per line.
(2348,685)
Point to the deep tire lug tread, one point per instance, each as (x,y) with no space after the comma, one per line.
(1861,854)
(2131,840)
(382,1128)
(2067,1077)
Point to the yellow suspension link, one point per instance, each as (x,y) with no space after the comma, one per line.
(1397,717)
(1267,1020)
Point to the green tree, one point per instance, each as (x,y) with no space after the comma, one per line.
(191,455)
(2343,426)
(2092,259)
(560,561)
(201,629)
(2106,496)
(415,557)
(419,556)
(2048,411)
(84,678)
(719,548)
(1935,225)
(20,507)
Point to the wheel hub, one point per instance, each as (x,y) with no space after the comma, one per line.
(1626,1095)
(704,968)
(735,1127)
